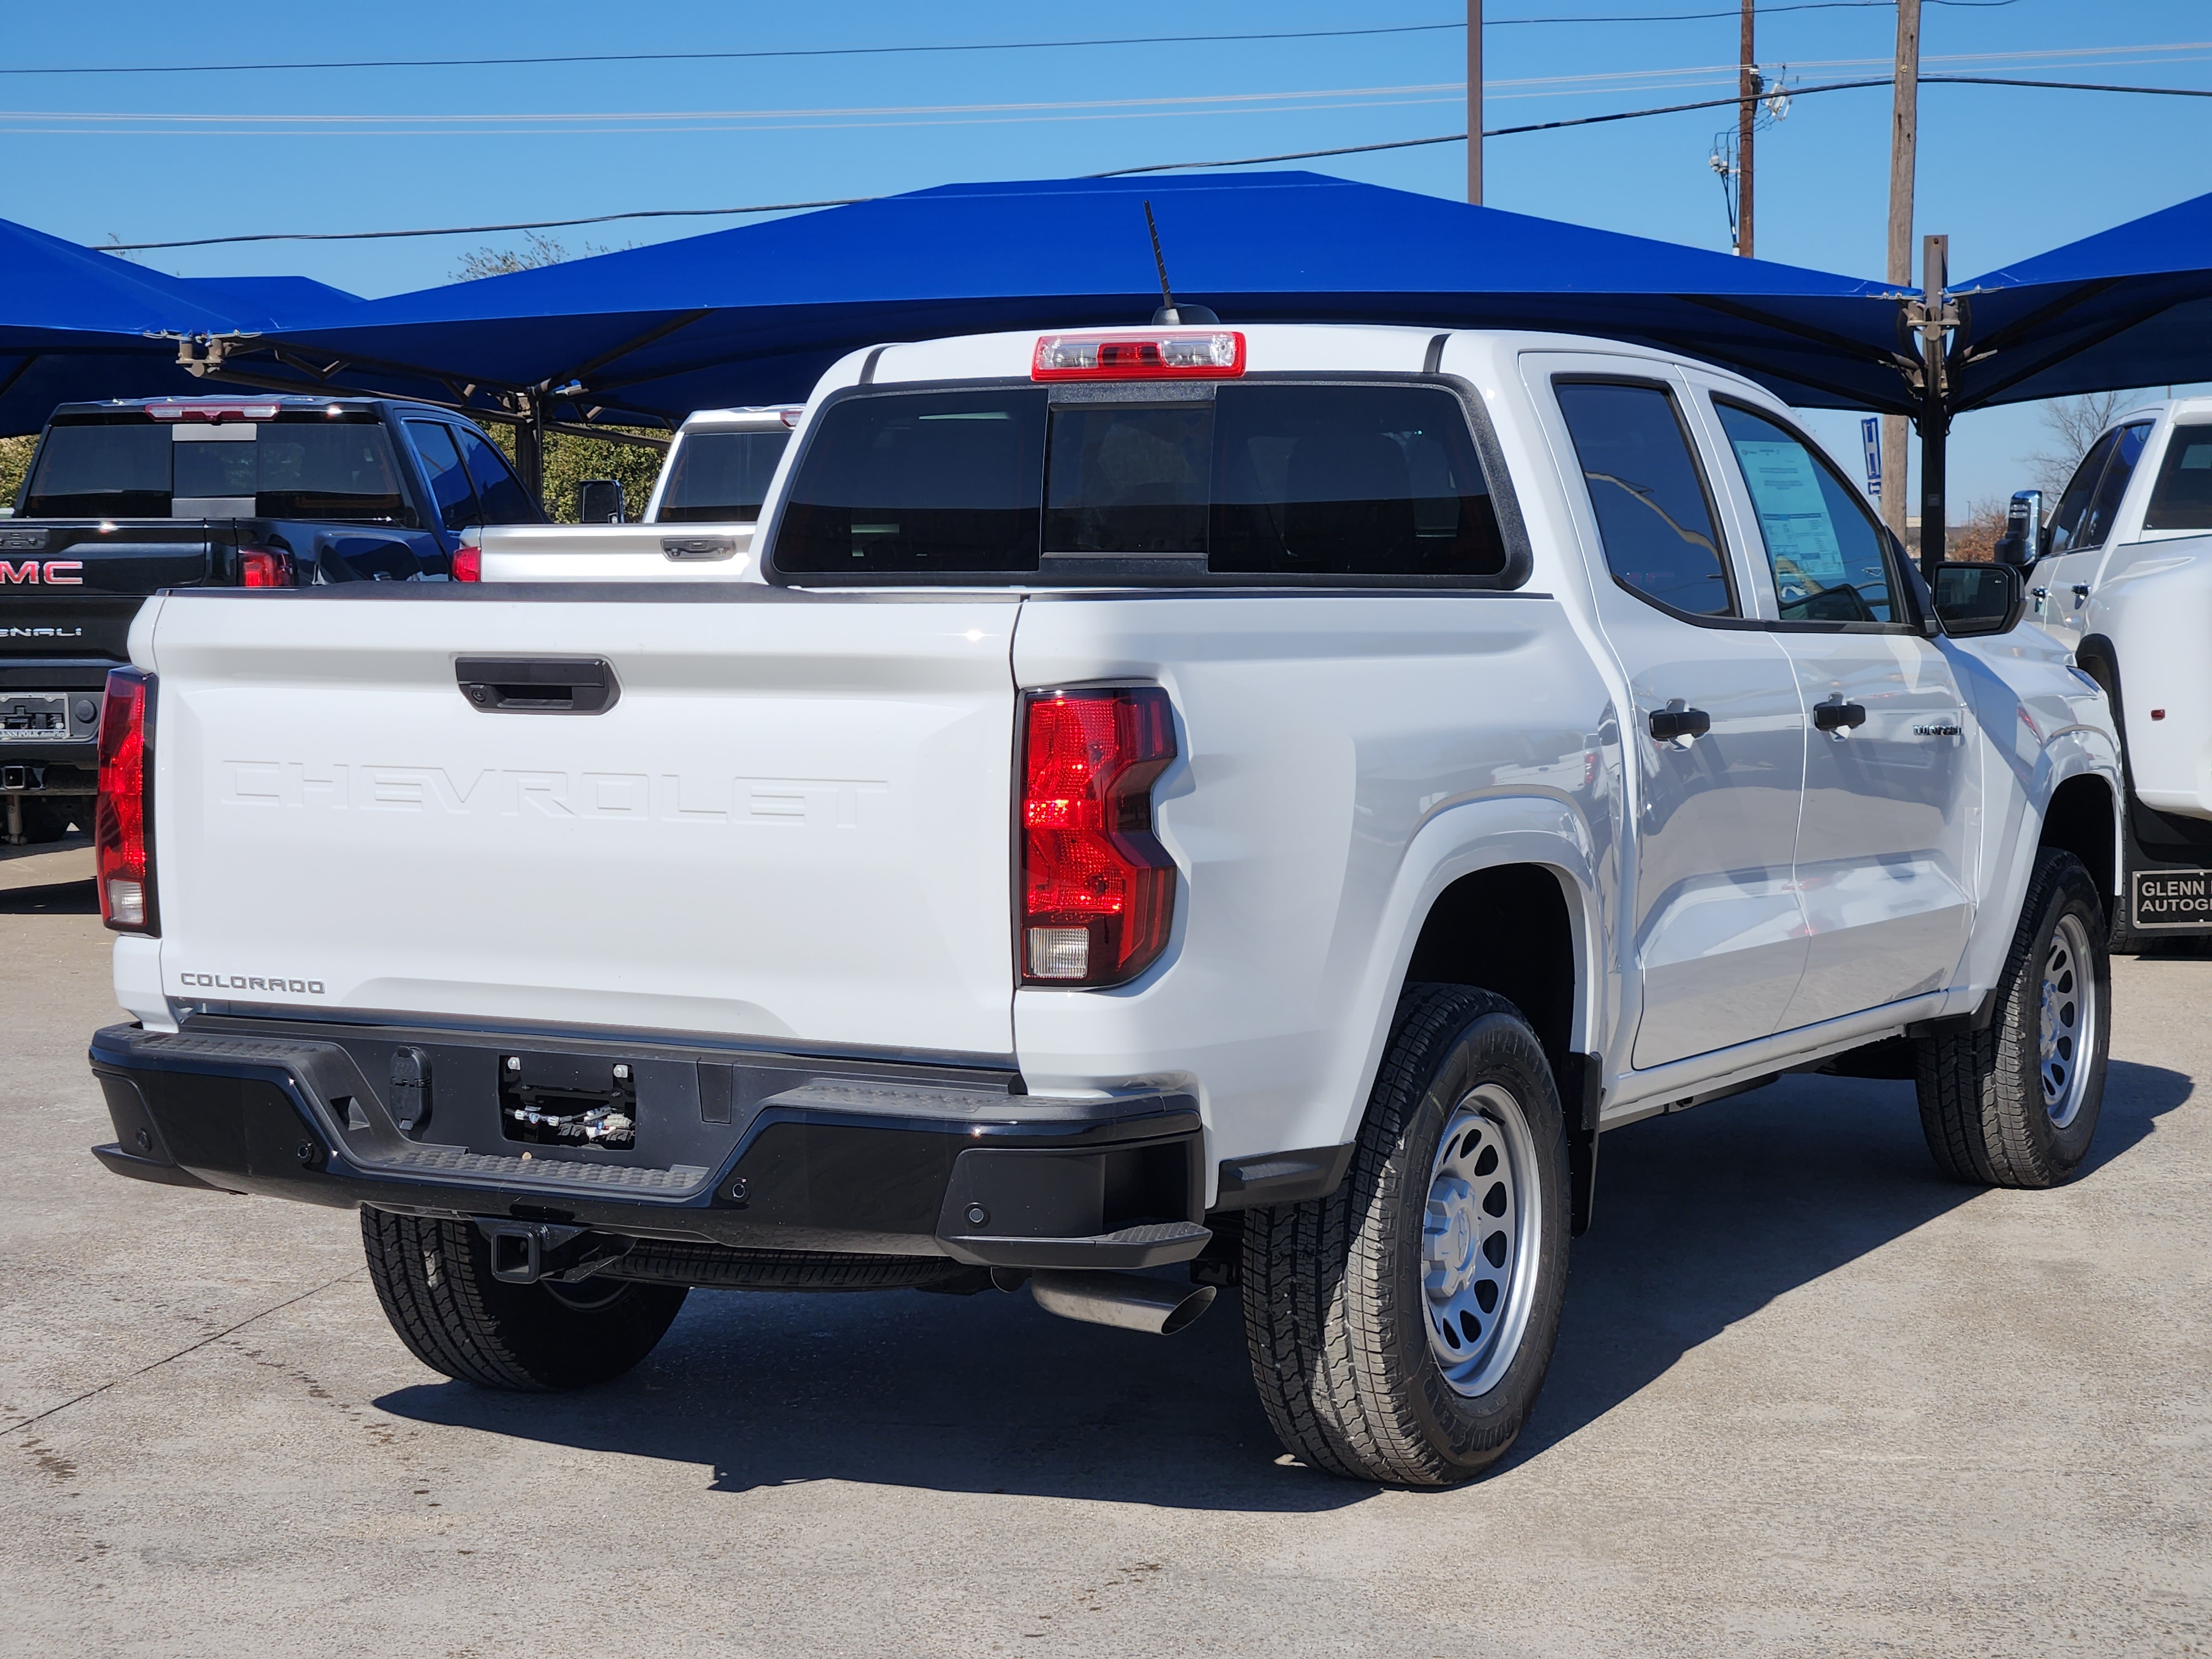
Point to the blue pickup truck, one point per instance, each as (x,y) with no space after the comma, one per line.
(124,499)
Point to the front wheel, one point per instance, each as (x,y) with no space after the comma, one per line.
(2017,1104)
(435,1279)
(1400,1329)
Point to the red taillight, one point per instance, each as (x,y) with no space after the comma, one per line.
(123,822)
(1098,888)
(468,564)
(261,567)
(1206,354)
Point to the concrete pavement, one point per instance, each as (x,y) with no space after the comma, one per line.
(1809,1400)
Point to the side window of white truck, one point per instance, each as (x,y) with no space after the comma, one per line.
(2182,497)
(2092,500)
(1655,515)
(1830,563)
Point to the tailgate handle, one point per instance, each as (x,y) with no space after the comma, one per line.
(697,547)
(539,685)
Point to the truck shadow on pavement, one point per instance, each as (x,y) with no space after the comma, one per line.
(60,898)
(1702,1220)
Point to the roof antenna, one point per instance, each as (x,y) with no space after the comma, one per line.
(1171,315)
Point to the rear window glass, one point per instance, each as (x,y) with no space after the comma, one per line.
(2182,497)
(720,476)
(324,470)
(102,472)
(1275,479)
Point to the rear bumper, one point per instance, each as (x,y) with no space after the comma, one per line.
(741,1150)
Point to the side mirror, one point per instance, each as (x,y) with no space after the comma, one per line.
(1975,600)
(2022,542)
(599,500)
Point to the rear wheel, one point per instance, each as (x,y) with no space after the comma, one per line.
(2015,1105)
(435,1279)
(1400,1329)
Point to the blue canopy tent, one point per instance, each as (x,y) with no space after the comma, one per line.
(78,325)
(754,315)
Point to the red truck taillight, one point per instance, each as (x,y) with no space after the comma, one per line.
(1097,888)
(468,564)
(123,822)
(263,567)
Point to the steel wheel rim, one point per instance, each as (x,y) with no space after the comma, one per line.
(1478,1234)
(2066,1021)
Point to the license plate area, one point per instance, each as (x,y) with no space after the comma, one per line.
(34,718)
(2172,898)
(567,1100)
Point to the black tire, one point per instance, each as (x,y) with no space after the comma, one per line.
(1336,1315)
(1983,1094)
(434,1280)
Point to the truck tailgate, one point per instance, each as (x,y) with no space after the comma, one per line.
(71,586)
(793,822)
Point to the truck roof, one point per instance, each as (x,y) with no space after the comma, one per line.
(237,403)
(765,417)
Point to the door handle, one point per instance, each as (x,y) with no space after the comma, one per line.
(2080,592)
(1669,724)
(2039,594)
(539,685)
(1838,716)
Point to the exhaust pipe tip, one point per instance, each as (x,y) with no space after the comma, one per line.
(1130,1301)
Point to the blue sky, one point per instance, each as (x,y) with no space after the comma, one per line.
(2005,172)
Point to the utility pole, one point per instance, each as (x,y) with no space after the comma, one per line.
(1474,100)
(1748,86)
(1904,123)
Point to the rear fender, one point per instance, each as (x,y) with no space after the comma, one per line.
(1482,835)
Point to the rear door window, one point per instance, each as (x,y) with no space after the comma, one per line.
(2182,497)
(1830,560)
(2097,523)
(1655,515)
(2066,522)
(720,477)
(498,491)
(1284,479)
(454,500)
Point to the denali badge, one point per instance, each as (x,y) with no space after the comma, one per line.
(1937,730)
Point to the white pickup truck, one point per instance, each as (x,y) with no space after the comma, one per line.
(2120,574)
(1184,809)
(698,526)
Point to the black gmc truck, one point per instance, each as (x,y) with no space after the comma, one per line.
(124,499)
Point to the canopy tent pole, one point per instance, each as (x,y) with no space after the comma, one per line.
(1932,317)
(530,443)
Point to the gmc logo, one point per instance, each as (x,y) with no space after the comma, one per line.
(31,571)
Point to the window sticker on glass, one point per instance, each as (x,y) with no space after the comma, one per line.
(1793,516)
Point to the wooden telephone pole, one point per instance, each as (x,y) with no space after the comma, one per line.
(1747,86)
(1903,131)
(1474,100)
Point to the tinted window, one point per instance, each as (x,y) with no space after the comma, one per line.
(101,471)
(1653,514)
(2105,505)
(1128,479)
(1349,481)
(2182,497)
(503,498)
(1320,480)
(720,476)
(197,470)
(343,469)
(456,502)
(919,481)
(1828,556)
(2066,522)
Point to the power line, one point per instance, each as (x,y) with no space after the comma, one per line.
(953,46)
(1155,166)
